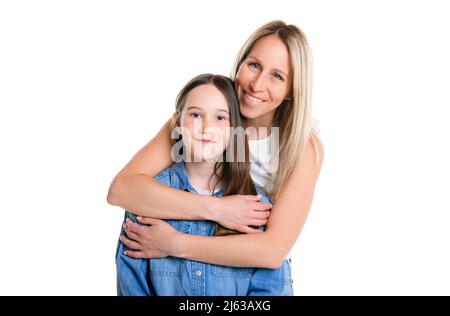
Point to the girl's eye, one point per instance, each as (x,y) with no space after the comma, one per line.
(221,118)
(194,115)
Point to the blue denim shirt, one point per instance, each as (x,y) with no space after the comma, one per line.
(171,276)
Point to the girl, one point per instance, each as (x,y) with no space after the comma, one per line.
(206,109)
(272,75)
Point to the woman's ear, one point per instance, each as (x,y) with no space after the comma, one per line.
(289,96)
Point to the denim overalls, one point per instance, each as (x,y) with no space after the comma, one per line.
(171,276)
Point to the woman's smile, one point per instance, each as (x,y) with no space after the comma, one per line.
(250,99)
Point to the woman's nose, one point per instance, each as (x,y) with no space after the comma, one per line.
(257,84)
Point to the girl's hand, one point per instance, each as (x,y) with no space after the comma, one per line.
(237,212)
(154,241)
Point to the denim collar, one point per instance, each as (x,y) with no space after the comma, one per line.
(179,169)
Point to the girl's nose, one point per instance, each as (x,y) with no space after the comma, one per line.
(206,124)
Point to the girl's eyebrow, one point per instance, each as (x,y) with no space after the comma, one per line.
(259,61)
(193,107)
(197,108)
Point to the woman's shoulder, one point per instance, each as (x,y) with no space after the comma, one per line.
(314,149)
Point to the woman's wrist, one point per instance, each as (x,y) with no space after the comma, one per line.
(176,245)
(210,204)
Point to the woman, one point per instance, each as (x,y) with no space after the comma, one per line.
(272,76)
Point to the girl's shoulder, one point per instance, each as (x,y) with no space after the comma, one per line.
(173,176)
(164,175)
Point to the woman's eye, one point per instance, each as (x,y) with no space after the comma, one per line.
(195,115)
(253,65)
(221,118)
(278,77)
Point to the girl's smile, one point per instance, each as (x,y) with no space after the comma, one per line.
(206,141)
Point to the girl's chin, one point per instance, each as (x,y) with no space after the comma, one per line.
(205,158)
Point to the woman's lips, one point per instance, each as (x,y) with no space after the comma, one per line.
(250,99)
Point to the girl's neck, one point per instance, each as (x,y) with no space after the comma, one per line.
(199,174)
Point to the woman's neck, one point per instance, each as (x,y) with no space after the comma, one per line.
(261,126)
(199,174)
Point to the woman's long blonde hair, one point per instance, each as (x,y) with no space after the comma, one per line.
(293,116)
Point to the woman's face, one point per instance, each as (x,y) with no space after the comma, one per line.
(205,123)
(264,80)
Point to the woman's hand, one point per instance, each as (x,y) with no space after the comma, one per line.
(237,212)
(155,241)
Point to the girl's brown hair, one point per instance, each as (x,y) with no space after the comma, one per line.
(235,171)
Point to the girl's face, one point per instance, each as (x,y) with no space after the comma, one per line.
(264,79)
(204,124)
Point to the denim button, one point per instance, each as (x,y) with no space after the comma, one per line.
(198,273)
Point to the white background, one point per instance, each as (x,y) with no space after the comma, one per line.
(85,84)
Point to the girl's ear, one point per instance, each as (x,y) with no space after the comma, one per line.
(174,118)
(174,122)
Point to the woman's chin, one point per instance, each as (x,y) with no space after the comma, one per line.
(248,112)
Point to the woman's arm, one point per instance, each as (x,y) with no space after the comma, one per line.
(266,250)
(134,189)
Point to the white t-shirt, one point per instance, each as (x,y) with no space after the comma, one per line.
(205,192)
(262,165)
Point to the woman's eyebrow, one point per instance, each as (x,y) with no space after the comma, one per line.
(259,61)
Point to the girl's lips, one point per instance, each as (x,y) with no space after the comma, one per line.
(249,99)
(205,141)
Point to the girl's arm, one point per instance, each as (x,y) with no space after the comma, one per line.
(266,250)
(134,189)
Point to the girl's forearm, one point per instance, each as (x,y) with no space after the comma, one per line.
(144,196)
(244,250)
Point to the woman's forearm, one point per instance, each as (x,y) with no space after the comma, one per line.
(144,196)
(244,250)
(267,249)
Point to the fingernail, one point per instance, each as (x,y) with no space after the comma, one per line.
(139,218)
(128,220)
(125,253)
(124,225)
